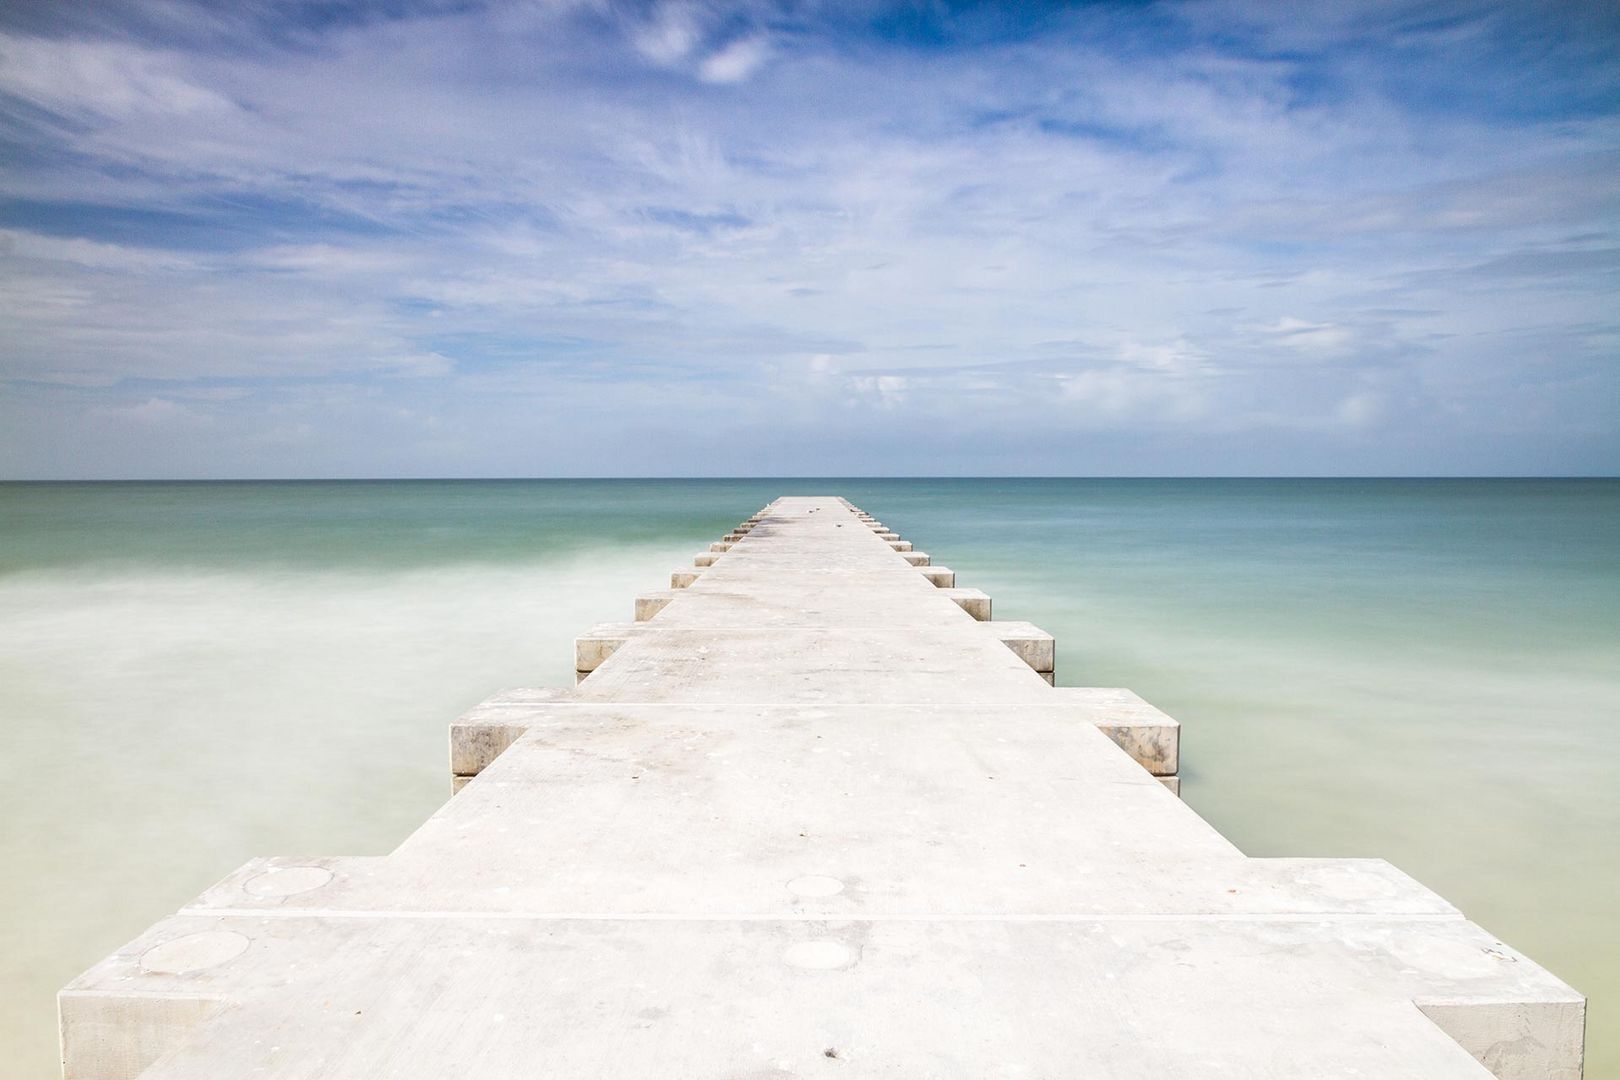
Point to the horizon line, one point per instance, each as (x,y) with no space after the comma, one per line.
(797,477)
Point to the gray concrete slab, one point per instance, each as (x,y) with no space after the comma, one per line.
(805,997)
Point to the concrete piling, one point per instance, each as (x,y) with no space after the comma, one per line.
(972,601)
(650,604)
(1030,643)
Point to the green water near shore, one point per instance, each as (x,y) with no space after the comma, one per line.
(192,674)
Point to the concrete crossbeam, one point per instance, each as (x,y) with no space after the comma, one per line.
(972,601)
(1152,739)
(482,733)
(650,604)
(592,648)
(1032,645)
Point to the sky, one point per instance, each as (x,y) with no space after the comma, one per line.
(598,238)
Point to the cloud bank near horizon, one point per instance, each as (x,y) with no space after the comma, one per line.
(582,237)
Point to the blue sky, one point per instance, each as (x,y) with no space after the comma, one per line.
(581,237)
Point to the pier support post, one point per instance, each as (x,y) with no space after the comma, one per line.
(972,601)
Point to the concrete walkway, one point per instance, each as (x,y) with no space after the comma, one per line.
(811,816)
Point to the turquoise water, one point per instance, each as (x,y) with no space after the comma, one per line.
(193,674)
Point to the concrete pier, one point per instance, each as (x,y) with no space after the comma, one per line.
(811,813)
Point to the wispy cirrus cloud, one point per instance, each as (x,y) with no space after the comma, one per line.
(1231,238)
(106,79)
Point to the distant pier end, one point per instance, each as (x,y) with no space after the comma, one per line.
(811,812)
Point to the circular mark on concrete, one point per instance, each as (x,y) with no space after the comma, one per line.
(287,881)
(815,885)
(819,955)
(194,952)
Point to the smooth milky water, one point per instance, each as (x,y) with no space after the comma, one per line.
(195,674)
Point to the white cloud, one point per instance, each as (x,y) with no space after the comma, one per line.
(419,365)
(1308,336)
(886,391)
(110,78)
(1361,409)
(670,35)
(155,412)
(735,62)
(1038,236)
(1178,357)
(20,244)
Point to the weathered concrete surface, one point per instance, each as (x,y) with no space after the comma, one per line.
(810,818)
(1029,643)
(972,601)
(650,604)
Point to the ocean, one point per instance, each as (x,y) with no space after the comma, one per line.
(191,674)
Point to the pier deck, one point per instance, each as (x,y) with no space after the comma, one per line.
(811,816)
